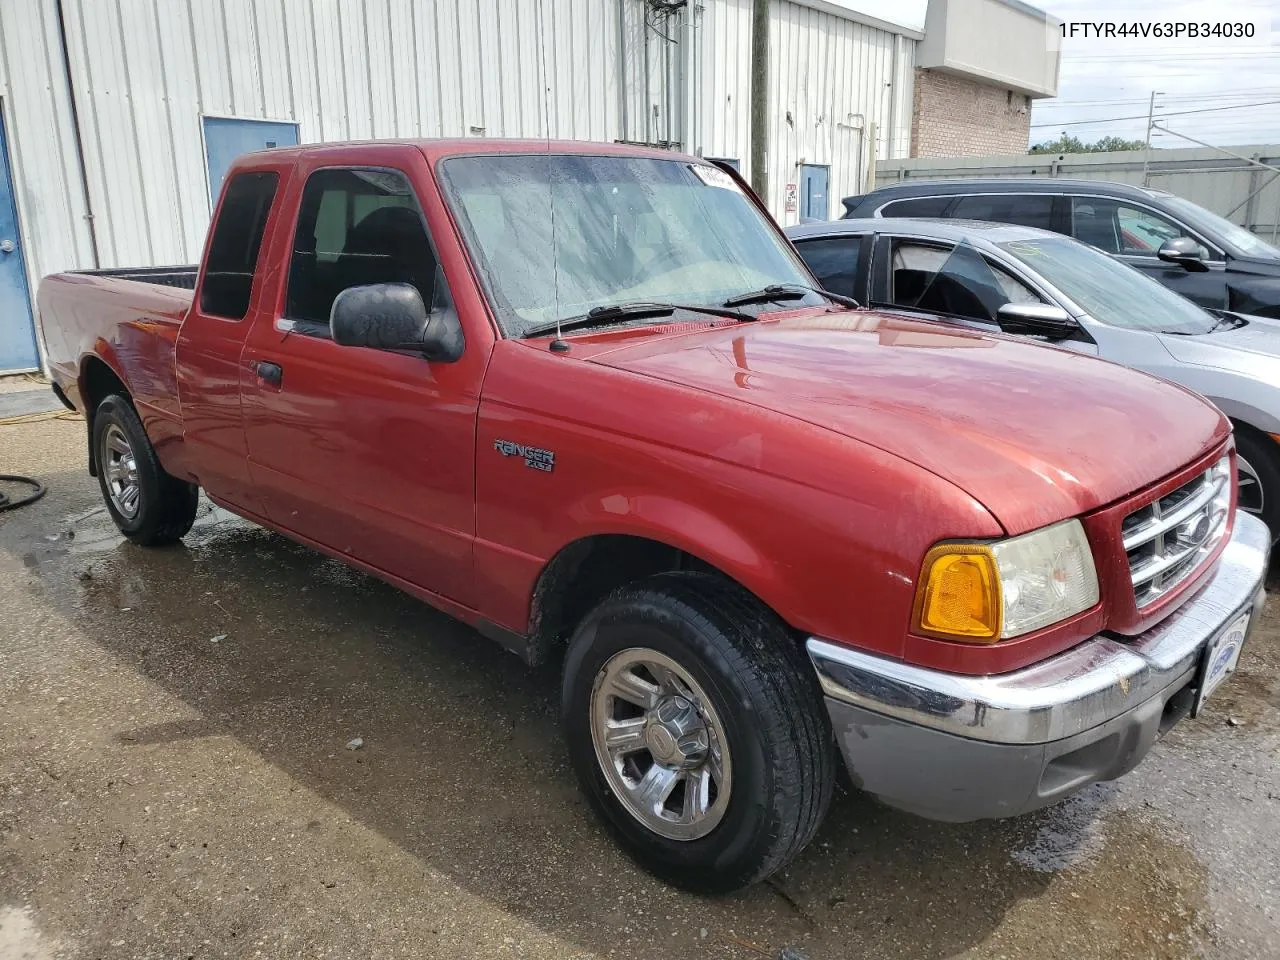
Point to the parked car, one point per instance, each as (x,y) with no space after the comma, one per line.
(761,524)
(1022,280)
(1198,254)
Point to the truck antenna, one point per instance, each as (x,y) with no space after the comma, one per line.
(559,344)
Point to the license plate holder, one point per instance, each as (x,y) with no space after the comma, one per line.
(1220,658)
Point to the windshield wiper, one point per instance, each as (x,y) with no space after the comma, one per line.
(636,310)
(778,292)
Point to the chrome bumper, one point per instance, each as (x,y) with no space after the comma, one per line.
(1102,688)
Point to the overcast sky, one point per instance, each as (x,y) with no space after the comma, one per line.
(1236,83)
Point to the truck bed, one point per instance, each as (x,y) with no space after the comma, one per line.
(130,318)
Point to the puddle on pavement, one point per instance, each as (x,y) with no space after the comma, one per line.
(312,641)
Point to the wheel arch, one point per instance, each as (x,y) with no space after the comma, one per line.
(97,380)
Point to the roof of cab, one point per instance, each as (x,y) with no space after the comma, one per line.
(457,146)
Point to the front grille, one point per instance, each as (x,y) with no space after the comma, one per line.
(1169,538)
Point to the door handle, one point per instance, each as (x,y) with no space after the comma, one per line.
(269,372)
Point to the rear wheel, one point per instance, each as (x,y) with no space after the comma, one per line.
(698,730)
(148,505)
(1258,472)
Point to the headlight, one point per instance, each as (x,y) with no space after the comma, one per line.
(986,592)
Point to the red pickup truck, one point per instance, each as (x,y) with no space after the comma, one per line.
(586,396)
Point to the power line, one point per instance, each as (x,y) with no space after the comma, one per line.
(1143,116)
(1167,98)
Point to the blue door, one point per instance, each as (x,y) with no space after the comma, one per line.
(813,192)
(226,139)
(17,332)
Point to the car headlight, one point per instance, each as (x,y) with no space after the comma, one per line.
(987,592)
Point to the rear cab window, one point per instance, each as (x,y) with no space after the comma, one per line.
(237,238)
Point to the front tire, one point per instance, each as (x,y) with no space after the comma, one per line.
(698,731)
(1258,470)
(149,506)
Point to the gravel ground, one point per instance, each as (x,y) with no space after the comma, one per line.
(175,782)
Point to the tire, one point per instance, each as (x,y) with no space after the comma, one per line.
(1262,455)
(754,688)
(149,506)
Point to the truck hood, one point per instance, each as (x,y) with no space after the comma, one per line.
(1034,433)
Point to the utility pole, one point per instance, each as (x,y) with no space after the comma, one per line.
(1146,156)
(760,98)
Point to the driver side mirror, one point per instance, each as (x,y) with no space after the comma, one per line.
(392,316)
(1183,251)
(1036,320)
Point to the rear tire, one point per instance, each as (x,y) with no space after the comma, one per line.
(149,506)
(756,700)
(1258,468)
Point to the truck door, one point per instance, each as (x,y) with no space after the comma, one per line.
(370,453)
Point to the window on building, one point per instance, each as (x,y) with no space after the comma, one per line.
(237,237)
(834,261)
(917,207)
(356,227)
(1026,210)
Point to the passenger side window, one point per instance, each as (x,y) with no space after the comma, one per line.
(1118,227)
(1026,210)
(834,261)
(356,227)
(959,282)
(237,237)
(916,207)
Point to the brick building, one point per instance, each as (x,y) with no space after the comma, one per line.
(978,67)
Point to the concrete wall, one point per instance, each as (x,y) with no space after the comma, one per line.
(956,116)
(1003,42)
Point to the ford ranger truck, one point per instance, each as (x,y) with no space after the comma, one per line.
(587,399)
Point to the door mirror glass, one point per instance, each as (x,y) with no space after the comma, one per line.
(392,316)
(1046,320)
(1183,251)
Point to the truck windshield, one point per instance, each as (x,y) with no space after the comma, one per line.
(557,235)
(1111,292)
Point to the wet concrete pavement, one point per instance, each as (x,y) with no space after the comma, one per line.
(166,795)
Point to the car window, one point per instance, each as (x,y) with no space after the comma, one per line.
(834,261)
(237,237)
(1027,210)
(1118,227)
(916,207)
(959,282)
(356,227)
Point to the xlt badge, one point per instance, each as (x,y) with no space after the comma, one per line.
(535,457)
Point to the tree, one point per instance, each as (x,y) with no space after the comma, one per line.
(1066,143)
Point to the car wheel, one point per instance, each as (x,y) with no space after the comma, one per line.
(148,505)
(698,730)
(1258,474)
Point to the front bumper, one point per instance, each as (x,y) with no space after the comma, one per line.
(954,747)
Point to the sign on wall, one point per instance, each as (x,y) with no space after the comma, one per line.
(793,198)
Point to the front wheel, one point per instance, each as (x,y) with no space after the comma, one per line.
(698,730)
(1258,473)
(148,505)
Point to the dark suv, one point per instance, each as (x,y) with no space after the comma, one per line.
(1197,253)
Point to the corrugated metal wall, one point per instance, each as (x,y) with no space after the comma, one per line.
(831,79)
(1246,194)
(145,73)
(41,139)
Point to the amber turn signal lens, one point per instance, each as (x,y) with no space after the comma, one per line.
(960,594)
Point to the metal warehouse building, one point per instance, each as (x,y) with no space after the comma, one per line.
(118,118)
